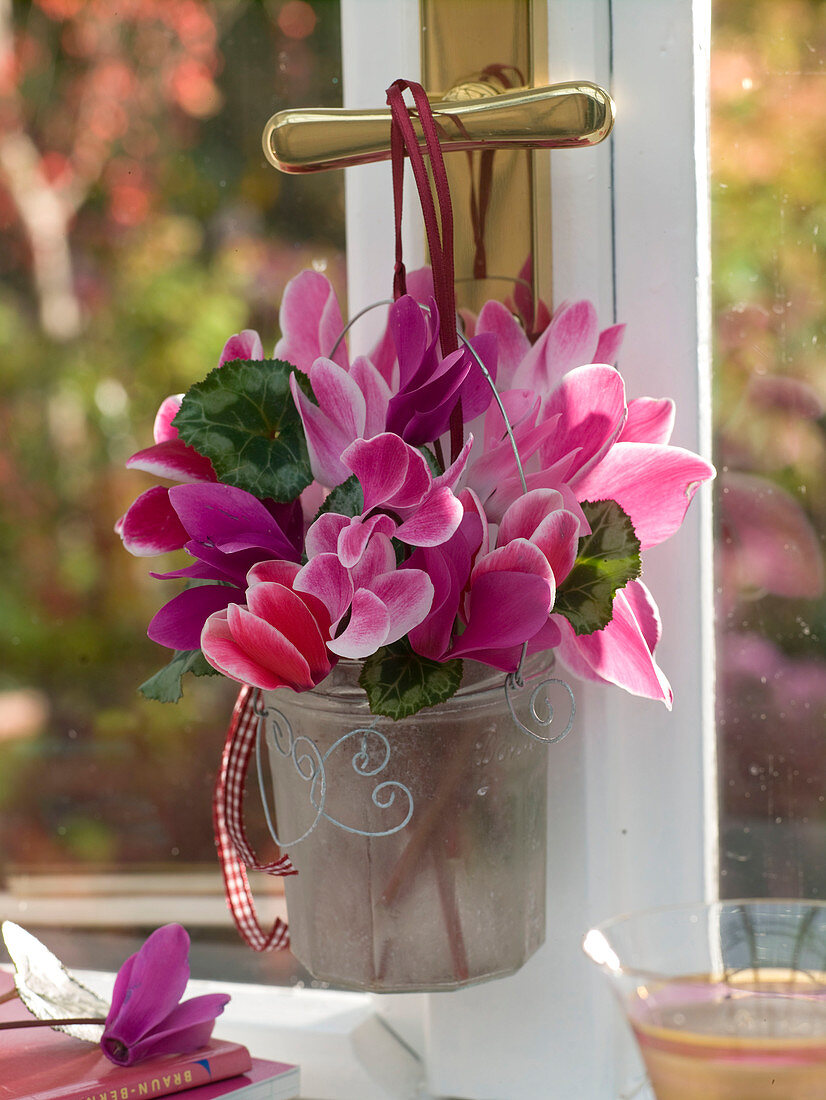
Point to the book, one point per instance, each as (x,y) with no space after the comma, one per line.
(38,1063)
(264,1081)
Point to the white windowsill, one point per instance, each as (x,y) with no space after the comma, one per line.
(129,899)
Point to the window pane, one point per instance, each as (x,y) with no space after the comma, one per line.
(140,226)
(769,214)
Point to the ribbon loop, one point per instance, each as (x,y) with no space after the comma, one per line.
(437,214)
(235,853)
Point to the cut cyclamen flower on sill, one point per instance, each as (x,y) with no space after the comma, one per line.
(146,1018)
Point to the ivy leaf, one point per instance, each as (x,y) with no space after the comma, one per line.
(243,419)
(48,990)
(165,686)
(606,561)
(347,499)
(399,682)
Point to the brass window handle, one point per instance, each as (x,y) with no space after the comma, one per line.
(474,115)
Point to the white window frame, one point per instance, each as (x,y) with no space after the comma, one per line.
(632,812)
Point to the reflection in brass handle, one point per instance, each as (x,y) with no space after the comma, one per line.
(559,116)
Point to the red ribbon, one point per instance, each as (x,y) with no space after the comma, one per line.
(437,214)
(235,853)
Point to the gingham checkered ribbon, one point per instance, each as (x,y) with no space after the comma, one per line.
(235,853)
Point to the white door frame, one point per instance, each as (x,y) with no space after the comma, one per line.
(632,812)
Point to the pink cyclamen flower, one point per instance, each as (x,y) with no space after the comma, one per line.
(428,386)
(382,602)
(310,322)
(622,653)
(279,639)
(571,339)
(229,530)
(150,525)
(146,1018)
(501,598)
(352,404)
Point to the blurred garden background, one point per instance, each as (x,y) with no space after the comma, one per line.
(768,187)
(140,226)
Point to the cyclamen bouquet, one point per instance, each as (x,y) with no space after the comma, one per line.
(375,509)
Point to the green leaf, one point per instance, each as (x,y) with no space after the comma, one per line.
(243,419)
(347,499)
(399,682)
(165,686)
(606,561)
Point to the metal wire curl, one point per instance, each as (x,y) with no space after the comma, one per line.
(311,765)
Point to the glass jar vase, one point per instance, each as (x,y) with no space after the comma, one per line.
(419,844)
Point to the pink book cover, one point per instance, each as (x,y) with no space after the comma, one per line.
(265,1081)
(37,1063)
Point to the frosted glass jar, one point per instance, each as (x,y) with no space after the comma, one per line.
(419,844)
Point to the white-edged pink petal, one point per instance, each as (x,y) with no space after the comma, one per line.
(151,525)
(162,429)
(367,629)
(322,536)
(326,578)
(569,341)
(378,557)
(651,482)
(526,513)
(650,420)
(243,345)
(618,654)
(590,404)
(380,464)
(376,395)
(391,472)
(340,396)
(434,521)
(173,459)
(354,537)
(326,439)
(408,595)
(609,344)
(310,321)
(513,343)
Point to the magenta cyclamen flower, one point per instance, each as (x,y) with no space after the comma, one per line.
(278,639)
(146,1018)
(150,525)
(229,530)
